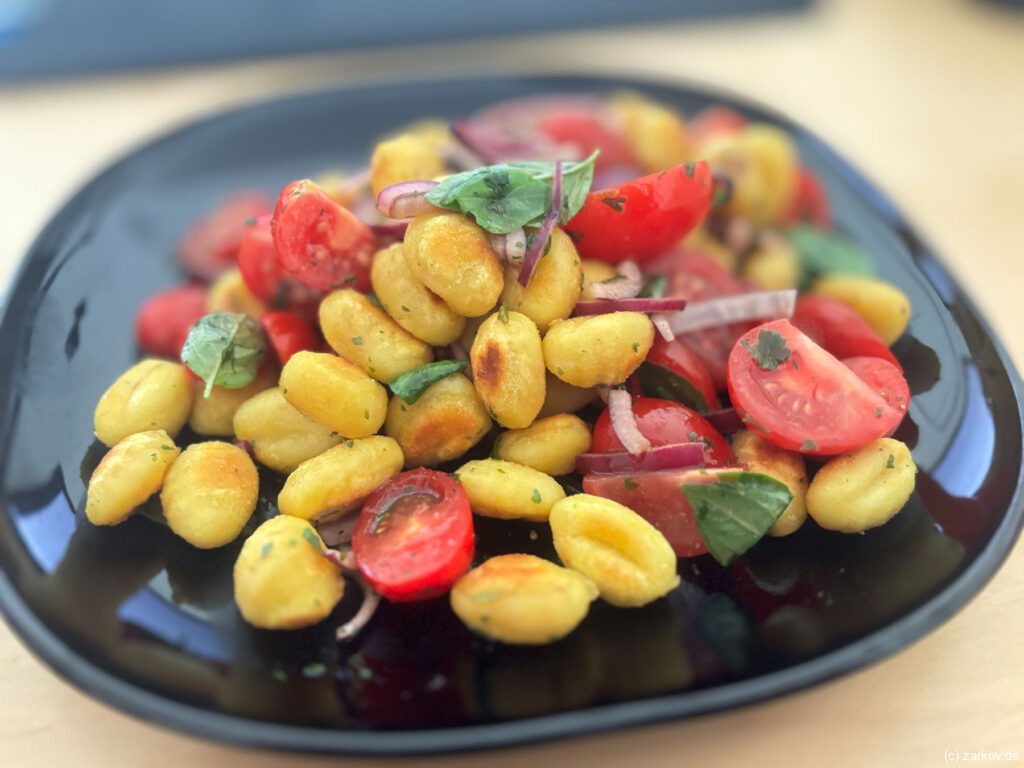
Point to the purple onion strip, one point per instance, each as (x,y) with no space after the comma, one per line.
(540,239)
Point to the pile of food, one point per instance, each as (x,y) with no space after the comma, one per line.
(591,313)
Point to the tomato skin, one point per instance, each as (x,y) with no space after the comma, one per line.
(643,218)
(287,333)
(656,497)
(165,318)
(588,132)
(810,202)
(811,403)
(414,537)
(320,243)
(885,379)
(257,263)
(839,329)
(684,362)
(210,245)
(664,422)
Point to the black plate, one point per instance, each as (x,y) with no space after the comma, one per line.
(142,621)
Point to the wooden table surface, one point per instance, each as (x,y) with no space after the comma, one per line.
(926,96)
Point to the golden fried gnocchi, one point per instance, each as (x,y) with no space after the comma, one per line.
(282,579)
(863,489)
(554,285)
(785,466)
(214,416)
(598,350)
(445,421)
(625,556)
(129,473)
(549,445)
(522,599)
(408,157)
(508,368)
(335,482)
(152,394)
(210,493)
(452,256)
(335,393)
(280,435)
(364,334)
(508,491)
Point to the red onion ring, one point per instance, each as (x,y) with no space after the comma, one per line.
(620,411)
(405,200)
(672,456)
(624,286)
(509,248)
(604,306)
(540,239)
(367,608)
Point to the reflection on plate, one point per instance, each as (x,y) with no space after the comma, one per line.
(146,623)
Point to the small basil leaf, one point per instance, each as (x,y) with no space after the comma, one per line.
(824,253)
(224,349)
(653,287)
(736,511)
(411,384)
(659,381)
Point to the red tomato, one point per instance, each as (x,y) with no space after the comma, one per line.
(713,121)
(664,422)
(588,132)
(643,218)
(414,537)
(810,402)
(884,378)
(839,329)
(320,243)
(210,245)
(165,318)
(288,333)
(257,262)
(656,497)
(685,363)
(810,202)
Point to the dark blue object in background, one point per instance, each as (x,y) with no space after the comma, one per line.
(46,38)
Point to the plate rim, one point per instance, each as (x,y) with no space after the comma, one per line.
(144,704)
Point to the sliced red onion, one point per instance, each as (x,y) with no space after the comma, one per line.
(367,608)
(725,420)
(247,446)
(338,532)
(405,200)
(662,326)
(393,231)
(509,248)
(494,143)
(625,285)
(672,456)
(620,411)
(540,238)
(758,305)
(604,306)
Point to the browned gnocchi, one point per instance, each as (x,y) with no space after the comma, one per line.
(508,368)
(280,435)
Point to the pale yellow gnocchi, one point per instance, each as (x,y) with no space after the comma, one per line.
(549,445)
(408,157)
(785,466)
(214,416)
(508,368)
(152,394)
(522,599)
(508,491)
(334,392)
(598,350)
(129,473)
(280,435)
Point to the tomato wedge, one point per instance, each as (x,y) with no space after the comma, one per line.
(839,329)
(320,243)
(884,378)
(257,263)
(288,333)
(414,537)
(675,372)
(643,218)
(210,246)
(801,398)
(165,318)
(588,132)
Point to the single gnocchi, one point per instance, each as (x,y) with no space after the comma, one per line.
(522,599)
(152,394)
(408,157)
(214,416)
(334,392)
(863,489)
(598,350)
(554,286)
(209,493)
(508,491)
(786,466)
(549,445)
(508,368)
(882,305)
(129,473)
(282,579)
(625,556)
(280,435)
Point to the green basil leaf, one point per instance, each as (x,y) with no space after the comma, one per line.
(653,287)
(658,381)
(824,253)
(503,197)
(224,349)
(411,384)
(736,511)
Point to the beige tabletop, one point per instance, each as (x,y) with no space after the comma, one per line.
(927,96)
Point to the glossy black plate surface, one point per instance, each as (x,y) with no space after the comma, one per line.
(145,623)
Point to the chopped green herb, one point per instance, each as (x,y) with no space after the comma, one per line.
(891,463)
(349,442)
(366,415)
(536,496)
(878,412)
(357,340)
(279,675)
(265,549)
(630,483)
(314,669)
(166,447)
(808,445)
(405,308)
(770,351)
(411,384)
(617,204)
(503,314)
(636,346)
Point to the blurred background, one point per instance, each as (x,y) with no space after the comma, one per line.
(926,97)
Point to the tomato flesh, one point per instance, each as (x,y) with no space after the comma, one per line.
(414,537)
(588,132)
(257,263)
(320,243)
(165,318)
(643,218)
(839,329)
(288,333)
(682,361)
(811,402)
(884,378)
(210,246)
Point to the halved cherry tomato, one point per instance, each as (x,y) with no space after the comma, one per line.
(656,497)
(165,318)
(588,132)
(257,262)
(884,378)
(810,202)
(414,537)
(683,363)
(801,398)
(643,218)
(288,333)
(664,422)
(839,329)
(320,243)
(210,246)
